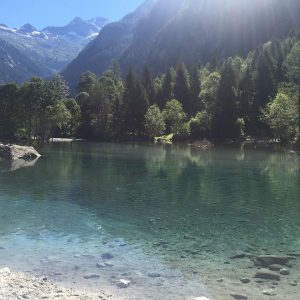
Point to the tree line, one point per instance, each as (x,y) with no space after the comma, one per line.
(256,96)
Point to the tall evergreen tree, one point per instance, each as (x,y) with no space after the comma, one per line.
(166,92)
(265,89)
(128,96)
(225,113)
(195,89)
(182,89)
(148,85)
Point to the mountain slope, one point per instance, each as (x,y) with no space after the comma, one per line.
(114,39)
(50,49)
(172,31)
(15,66)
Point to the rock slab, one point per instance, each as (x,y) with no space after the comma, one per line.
(268,260)
(267,274)
(239,296)
(14,152)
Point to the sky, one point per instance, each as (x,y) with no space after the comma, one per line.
(42,13)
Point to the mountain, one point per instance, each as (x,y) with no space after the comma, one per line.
(27,29)
(78,27)
(162,33)
(15,66)
(113,41)
(27,52)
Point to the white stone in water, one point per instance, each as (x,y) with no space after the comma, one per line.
(200,298)
(284,271)
(270,292)
(124,283)
(5,271)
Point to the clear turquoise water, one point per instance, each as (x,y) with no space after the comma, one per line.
(166,209)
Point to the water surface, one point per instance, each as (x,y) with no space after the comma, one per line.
(170,215)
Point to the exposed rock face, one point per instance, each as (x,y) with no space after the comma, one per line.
(14,152)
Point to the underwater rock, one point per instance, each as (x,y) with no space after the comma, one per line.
(14,152)
(154,275)
(107,256)
(284,271)
(293,283)
(268,260)
(269,292)
(239,296)
(275,267)
(124,283)
(108,264)
(100,265)
(267,274)
(91,276)
(245,280)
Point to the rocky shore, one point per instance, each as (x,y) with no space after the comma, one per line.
(16,286)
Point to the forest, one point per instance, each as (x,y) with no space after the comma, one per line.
(255,96)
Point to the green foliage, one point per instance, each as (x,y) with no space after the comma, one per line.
(200,125)
(220,101)
(57,117)
(281,115)
(154,121)
(165,139)
(225,113)
(175,117)
(182,88)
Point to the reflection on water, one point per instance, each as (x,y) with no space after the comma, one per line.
(11,166)
(173,204)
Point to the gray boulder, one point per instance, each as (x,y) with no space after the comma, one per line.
(15,152)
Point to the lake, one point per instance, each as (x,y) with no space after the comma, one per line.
(167,218)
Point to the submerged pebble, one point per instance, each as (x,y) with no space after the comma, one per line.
(154,275)
(107,256)
(293,283)
(100,265)
(284,271)
(124,283)
(245,280)
(91,276)
(267,274)
(239,296)
(269,292)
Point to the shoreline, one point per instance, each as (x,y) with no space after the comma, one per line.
(18,285)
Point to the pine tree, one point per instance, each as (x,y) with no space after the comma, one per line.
(196,89)
(182,89)
(166,92)
(225,113)
(148,85)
